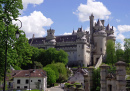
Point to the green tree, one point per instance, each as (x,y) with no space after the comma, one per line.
(54,68)
(127,50)
(49,56)
(51,77)
(62,72)
(62,57)
(110,51)
(19,51)
(119,52)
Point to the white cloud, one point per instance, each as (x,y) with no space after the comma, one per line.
(123,28)
(118,20)
(120,37)
(87,29)
(34,2)
(115,31)
(97,8)
(67,33)
(34,23)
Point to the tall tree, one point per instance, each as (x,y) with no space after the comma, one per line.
(127,50)
(18,50)
(110,51)
(119,52)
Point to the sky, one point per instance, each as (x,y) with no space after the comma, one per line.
(64,16)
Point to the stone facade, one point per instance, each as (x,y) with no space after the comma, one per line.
(108,81)
(84,48)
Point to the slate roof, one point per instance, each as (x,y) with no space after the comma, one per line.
(65,38)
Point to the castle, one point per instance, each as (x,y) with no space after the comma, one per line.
(83,48)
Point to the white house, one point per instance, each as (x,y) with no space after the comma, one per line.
(78,76)
(27,79)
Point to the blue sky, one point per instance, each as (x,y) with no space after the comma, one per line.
(66,15)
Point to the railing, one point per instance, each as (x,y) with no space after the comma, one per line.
(99,62)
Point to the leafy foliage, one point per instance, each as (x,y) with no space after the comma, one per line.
(110,51)
(18,50)
(54,68)
(51,77)
(49,56)
(127,50)
(96,80)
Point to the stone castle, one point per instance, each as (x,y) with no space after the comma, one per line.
(84,48)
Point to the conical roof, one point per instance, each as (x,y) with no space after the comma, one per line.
(99,23)
(108,27)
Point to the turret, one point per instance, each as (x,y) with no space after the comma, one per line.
(50,34)
(80,33)
(50,39)
(81,48)
(91,28)
(110,33)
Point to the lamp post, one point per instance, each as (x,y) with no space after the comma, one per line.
(17,36)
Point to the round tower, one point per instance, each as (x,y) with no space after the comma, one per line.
(99,41)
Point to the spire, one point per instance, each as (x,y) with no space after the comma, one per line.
(99,23)
(92,14)
(81,29)
(108,27)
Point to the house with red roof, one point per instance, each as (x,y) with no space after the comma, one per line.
(27,79)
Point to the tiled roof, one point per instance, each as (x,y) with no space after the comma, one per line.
(31,73)
(26,73)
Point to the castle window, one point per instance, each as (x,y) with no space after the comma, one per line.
(101,49)
(82,46)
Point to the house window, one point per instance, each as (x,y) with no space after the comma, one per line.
(39,80)
(18,81)
(31,80)
(27,81)
(18,87)
(25,87)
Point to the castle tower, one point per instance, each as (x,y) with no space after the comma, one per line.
(110,33)
(91,41)
(81,48)
(99,41)
(120,77)
(50,39)
(91,28)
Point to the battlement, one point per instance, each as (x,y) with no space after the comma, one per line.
(67,48)
(82,41)
(100,33)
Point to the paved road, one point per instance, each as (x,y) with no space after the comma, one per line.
(57,88)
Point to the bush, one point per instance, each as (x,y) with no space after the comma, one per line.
(55,69)
(51,77)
